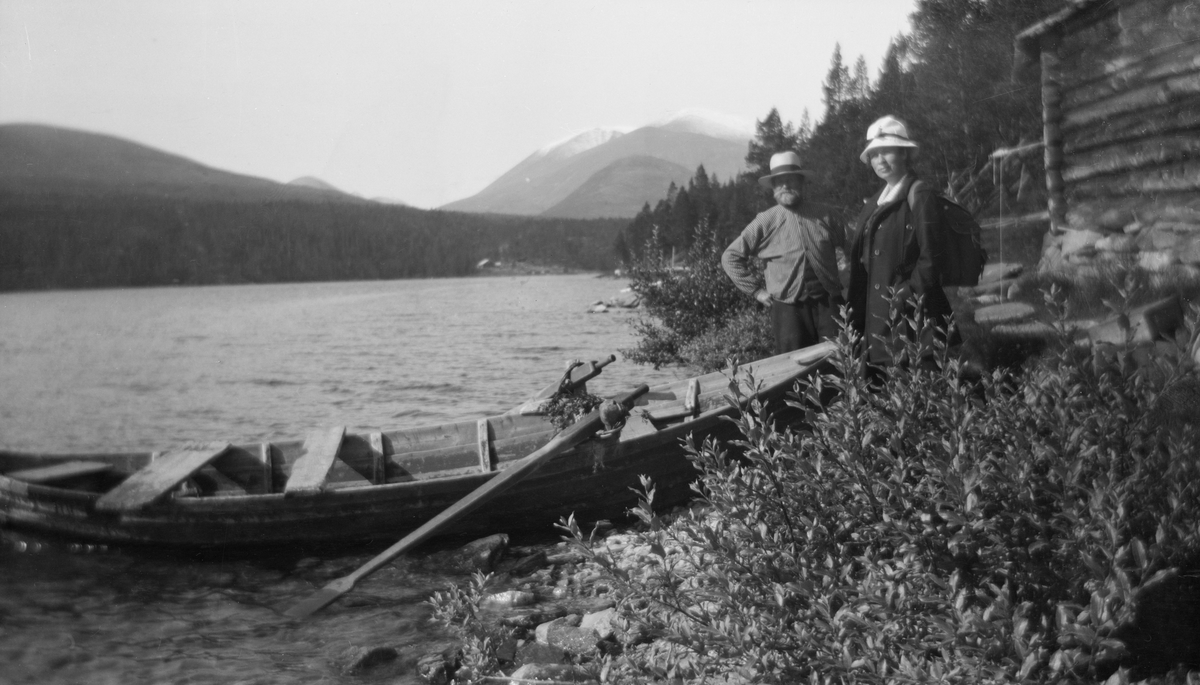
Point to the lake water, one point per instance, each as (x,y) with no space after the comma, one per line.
(118,370)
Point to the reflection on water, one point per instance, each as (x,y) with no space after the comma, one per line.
(117,370)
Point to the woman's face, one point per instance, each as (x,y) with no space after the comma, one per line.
(889,163)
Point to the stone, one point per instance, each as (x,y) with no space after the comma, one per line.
(1000,271)
(1026,329)
(526,564)
(573,640)
(626,299)
(557,673)
(542,631)
(511,598)
(358,660)
(1006,312)
(1117,243)
(1188,252)
(531,620)
(1160,238)
(1076,241)
(1115,219)
(538,653)
(436,667)
(600,622)
(480,555)
(1156,260)
(1149,322)
(507,650)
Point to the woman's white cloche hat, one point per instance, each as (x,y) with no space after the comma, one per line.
(784,164)
(886,132)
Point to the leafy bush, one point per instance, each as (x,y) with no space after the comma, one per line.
(457,610)
(921,527)
(744,337)
(688,304)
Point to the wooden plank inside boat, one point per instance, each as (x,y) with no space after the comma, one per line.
(380,449)
(60,472)
(158,477)
(310,470)
(485,445)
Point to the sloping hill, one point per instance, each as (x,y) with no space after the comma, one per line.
(542,181)
(621,188)
(46,159)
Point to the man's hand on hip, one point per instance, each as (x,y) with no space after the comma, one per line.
(764,297)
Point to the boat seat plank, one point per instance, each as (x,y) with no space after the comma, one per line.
(485,445)
(310,470)
(60,472)
(158,477)
(636,424)
(691,401)
(380,449)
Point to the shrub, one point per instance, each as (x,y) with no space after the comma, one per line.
(745,337)
(920,527)
(688,304)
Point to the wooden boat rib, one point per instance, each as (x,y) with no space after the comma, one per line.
(337,486)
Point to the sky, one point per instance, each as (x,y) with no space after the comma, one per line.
(420,101)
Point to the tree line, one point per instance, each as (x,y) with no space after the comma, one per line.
(950,79)
(79,240)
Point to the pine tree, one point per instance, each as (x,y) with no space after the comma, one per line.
(772,135)
(836,83)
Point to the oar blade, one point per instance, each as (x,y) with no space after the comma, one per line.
(320,599)
(577,433)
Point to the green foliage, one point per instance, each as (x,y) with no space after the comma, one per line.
(923,528)
(688,304)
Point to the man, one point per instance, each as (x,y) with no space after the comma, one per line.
(796,241)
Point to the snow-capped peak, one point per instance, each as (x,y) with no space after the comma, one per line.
(579,142)
(709,123)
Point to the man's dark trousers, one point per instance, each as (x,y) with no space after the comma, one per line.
(807,322)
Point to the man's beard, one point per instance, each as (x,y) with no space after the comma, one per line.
(787,197)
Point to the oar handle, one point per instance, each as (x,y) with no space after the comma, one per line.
(572,436)
(594,371)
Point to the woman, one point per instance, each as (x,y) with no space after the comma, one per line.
(894,239)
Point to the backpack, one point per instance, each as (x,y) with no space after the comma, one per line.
(961,259)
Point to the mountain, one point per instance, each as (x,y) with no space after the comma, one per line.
(46,159)
(621,188)
(317,184)
(542,183)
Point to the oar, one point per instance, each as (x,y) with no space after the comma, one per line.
(568,383)
(577,433)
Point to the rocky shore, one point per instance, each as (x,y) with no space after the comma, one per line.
(552,605)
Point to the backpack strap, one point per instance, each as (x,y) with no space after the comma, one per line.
(912,191)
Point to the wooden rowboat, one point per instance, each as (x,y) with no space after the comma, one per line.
(337,486)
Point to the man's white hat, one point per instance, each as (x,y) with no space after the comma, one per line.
(886,132)
(784,164)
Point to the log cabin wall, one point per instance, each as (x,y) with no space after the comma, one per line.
(1121,123)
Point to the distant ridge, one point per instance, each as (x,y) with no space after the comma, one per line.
(317,184)
(43,159)
(545,182)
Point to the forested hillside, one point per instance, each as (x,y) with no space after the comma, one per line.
(79,209)
(72,241)
(950,79)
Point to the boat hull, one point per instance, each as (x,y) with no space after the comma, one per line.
(593,481)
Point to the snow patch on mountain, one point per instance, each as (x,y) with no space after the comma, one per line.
(708,122)
(579,142)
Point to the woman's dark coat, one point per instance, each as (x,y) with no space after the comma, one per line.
(892,247)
